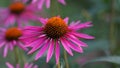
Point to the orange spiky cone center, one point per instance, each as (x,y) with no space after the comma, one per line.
(55,27)
(17,8)
(13,34)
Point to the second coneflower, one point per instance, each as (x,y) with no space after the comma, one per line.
(55,31)
(18,12)
(9,38)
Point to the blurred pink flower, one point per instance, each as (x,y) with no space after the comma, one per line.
(53,32)
(47,3)
(26,65)
(9,38)
(18,12)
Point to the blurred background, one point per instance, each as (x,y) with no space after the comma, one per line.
(103,51)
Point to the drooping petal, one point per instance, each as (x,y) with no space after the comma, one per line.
(5,51)
(48,3)
(22,46)
(74,47)
(11,46)
(26,65)
(66,47)
(2,43)
(50,51)
(35,66)
(57,52)
(9,65)
(34,42)
(40,4)
(10,20)
(37,46)
(42,50)
(82,35)
(30,65)
(17,66)
(81,26)
(62,2)
(76,41)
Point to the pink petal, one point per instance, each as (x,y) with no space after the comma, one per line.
(30,65)
(43,21)
(9,65)
(62,1)
(57,52)
(34,42)
(17,66)
(11,46)
(82,35)
(37,46)
(81,26)
(2,43)
(22,46)
(26,65)
(43,49)
(48,3)
(66,47)
(5,51)
(50,51)
(66,20)
(35,66)
(33,1)
(10,20)
(74,47)
(77,41)
(40,4)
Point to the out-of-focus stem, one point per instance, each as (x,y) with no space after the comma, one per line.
(54,8)
(66,59)
(22,57)
(16,55)
(58,65)
(112,31)
(112,28)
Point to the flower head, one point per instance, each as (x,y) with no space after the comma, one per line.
(47,3)
(18,12)
(53,32)
(9,38)
(26,65)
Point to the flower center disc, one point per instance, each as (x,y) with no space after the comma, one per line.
(17,8)
(55,27)
(13,34)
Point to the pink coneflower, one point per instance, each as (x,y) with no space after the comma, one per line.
(18,12)
(47,3)
(9,38)
(54,32)
(26,65)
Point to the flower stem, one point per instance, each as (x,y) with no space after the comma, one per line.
(16,55)
(54,8)
(66,59)
(58,65)
(112,31)
(112,28)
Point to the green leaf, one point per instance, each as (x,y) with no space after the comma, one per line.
(109,59)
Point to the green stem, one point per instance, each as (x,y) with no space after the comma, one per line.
(58,65)
(54,8)
(16,54)
(22,56)
(112,31)
(112,28)
(66,59)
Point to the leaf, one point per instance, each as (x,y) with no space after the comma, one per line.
(109,59)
